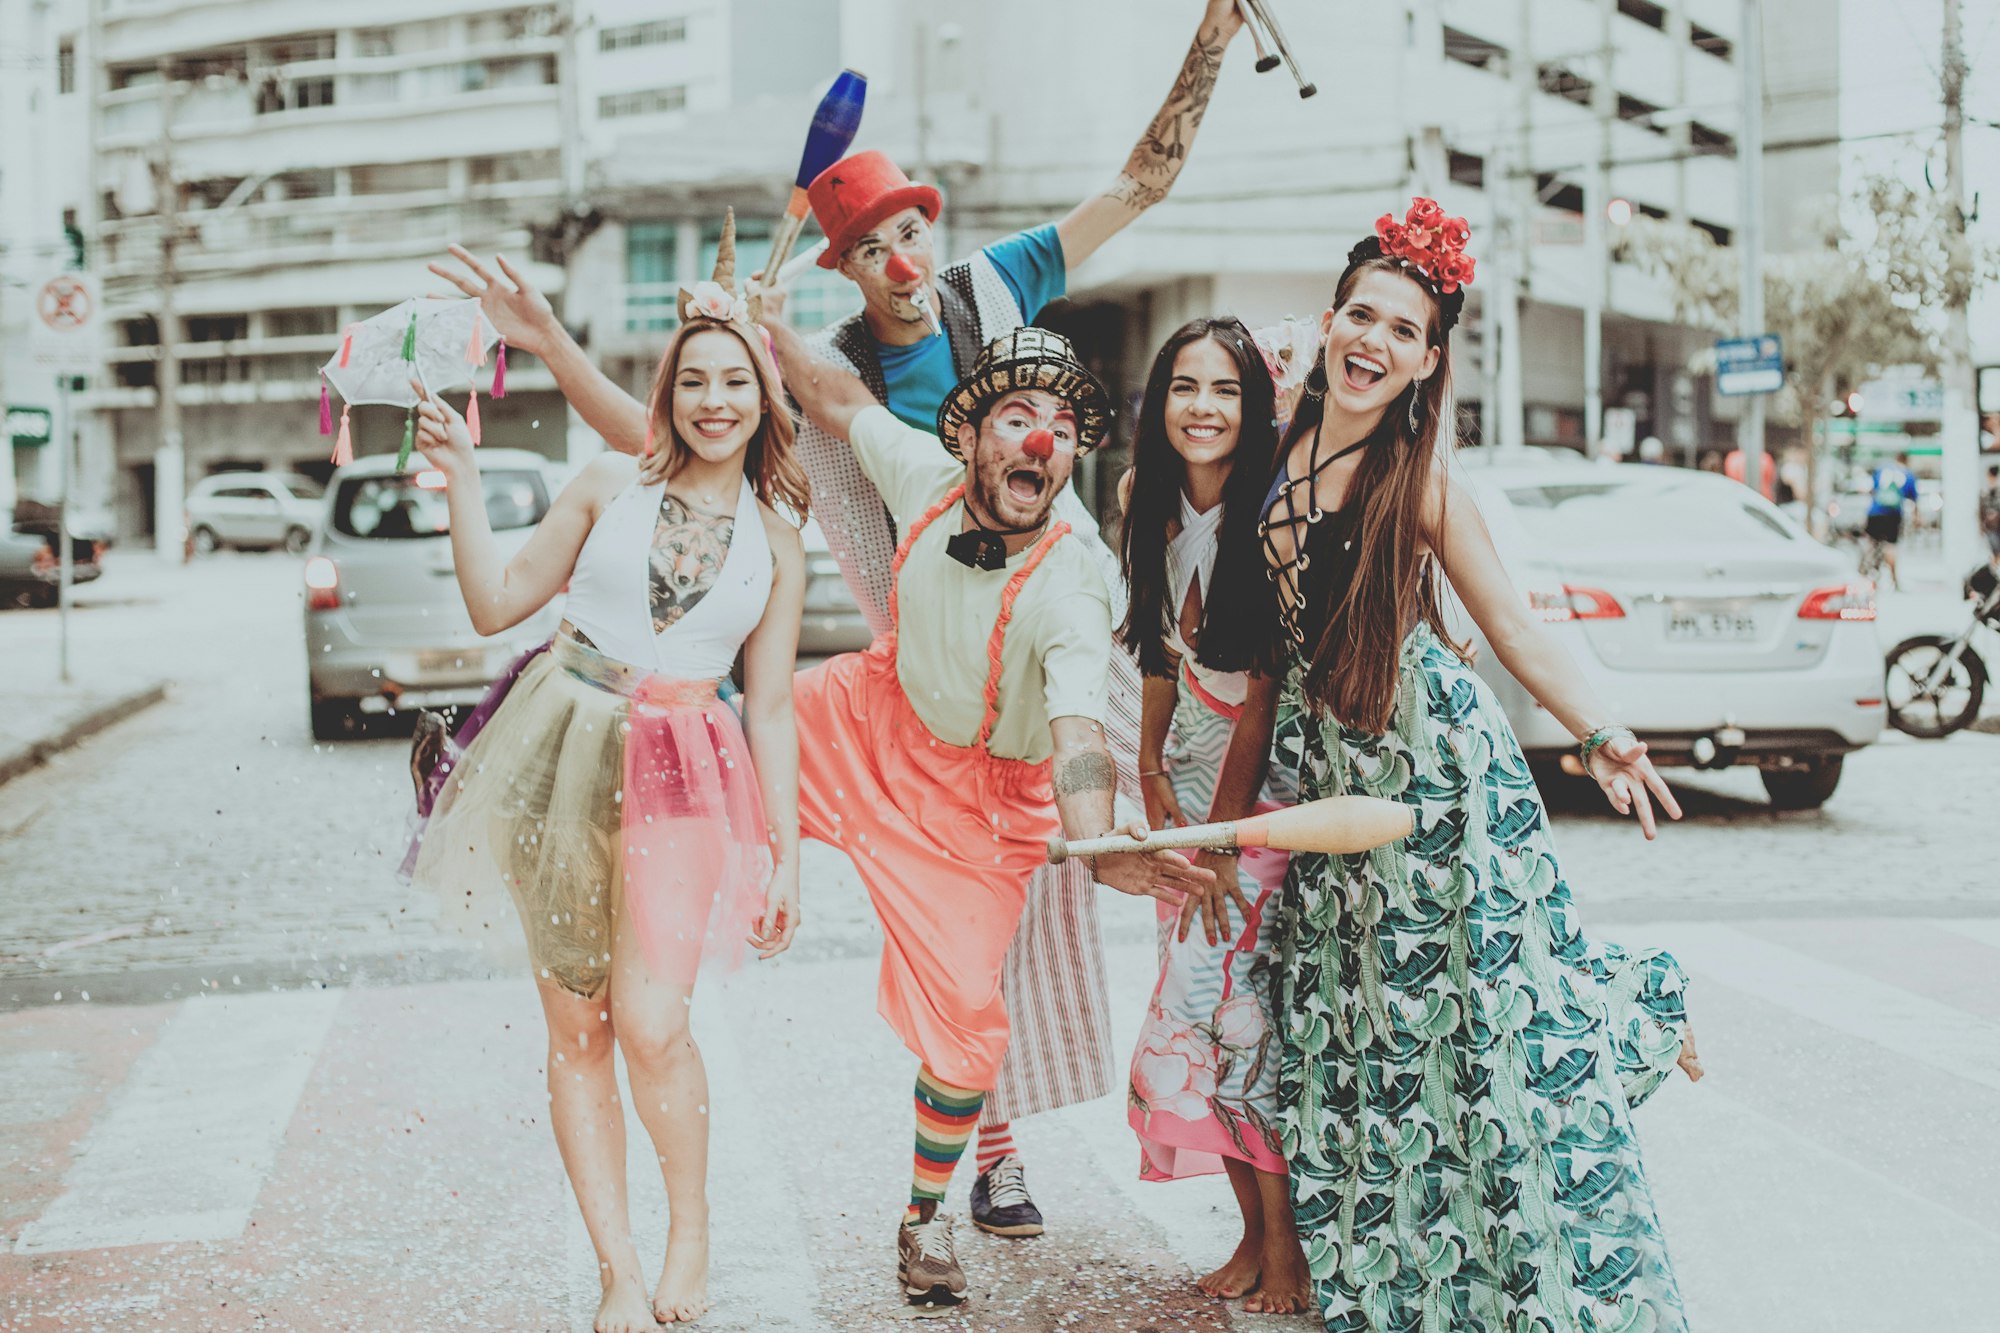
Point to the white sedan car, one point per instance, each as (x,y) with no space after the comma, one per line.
(1707,620)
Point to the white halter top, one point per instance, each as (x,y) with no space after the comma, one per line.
(1191,563)
(610,597)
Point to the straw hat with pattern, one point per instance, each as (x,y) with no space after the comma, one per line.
(1028,358)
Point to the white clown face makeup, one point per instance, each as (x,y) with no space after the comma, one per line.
(894,260)
(1021,456)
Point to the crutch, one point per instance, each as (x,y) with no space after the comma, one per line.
(1256,13)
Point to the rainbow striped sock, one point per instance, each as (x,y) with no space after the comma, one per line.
(946,1117)
(996,1140)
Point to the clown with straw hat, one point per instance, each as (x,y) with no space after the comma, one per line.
(941,759)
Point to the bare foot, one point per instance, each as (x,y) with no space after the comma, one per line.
(624,1308)
(683,1292)
(1284,1287)
(1689,1062)
(1238,1275)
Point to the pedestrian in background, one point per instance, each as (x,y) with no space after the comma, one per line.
(1890,487)
(1204,1080)
(1989,511)
(1459,1059)
(636,829)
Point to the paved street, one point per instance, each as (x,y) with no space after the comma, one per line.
(203,889)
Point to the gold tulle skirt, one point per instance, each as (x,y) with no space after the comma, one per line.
(594,789)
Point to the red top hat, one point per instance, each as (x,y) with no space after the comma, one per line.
(857,192)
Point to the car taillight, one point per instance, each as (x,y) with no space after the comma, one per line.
(44,559)
(322,584)
(1843,601)
(1573,603)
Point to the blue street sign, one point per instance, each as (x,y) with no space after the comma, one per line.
(1750,365)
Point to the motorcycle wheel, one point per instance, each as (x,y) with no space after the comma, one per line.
(1930,714)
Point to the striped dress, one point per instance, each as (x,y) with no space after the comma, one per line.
(1204,1078)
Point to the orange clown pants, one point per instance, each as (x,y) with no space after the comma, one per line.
(945,837)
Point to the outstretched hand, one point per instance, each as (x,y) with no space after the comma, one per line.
(521,313)
(1620,767)
(1213,906)
(1165,875)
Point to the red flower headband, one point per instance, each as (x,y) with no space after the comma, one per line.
(1429,242)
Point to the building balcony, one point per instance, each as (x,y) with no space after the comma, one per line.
(345,228)
(395,112)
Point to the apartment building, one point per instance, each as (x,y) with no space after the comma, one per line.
(317,166)
(44,157)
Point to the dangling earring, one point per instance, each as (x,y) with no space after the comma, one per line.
(1416,389)
(1316,385)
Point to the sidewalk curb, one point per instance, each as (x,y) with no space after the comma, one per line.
(36,753)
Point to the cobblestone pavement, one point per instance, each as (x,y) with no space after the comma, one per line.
(373,1155)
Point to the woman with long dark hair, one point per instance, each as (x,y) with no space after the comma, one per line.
(1459,1061)
(1204,1076)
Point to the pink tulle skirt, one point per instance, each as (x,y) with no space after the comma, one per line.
(597,788)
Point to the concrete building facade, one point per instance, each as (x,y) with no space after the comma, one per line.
(318,160)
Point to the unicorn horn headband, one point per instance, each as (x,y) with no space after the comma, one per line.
(717,299)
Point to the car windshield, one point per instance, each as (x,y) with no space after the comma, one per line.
(303,487)
(1563,514)
(398,508)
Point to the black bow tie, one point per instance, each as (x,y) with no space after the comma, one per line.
(978,548)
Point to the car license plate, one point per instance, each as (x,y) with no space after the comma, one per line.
(450,661)
(1686,625)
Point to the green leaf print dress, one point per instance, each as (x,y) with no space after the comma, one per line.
(1459,1063)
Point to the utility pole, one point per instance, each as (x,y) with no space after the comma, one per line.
(1959,422)
(1511,178)
(170,458)
(1750,228)
(1597,260)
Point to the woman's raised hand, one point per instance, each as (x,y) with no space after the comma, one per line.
(441,434)
(522,314)
(1621,768)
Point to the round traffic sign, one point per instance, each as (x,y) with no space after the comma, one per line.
(65,303)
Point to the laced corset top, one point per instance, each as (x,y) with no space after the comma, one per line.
(1321,541)
(610,591)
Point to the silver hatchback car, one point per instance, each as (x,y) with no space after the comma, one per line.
(385,626)
(252,510)
(1705,619)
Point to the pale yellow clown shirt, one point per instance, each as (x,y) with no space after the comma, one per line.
(1056,654)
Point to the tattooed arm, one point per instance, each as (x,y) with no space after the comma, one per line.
(1086,780)
(1162,150)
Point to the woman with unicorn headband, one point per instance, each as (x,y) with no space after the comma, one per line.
(639,832)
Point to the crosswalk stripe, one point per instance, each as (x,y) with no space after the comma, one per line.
(1986,930)
(1939,1035)
(184,1148)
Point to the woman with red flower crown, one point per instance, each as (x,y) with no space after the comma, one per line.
(1459,1061)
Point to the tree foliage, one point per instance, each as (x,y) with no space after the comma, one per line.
(1872,296)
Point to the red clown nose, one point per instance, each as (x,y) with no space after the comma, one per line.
(1039,444)
(899,269)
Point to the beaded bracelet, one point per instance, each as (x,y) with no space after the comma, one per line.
(1598,739)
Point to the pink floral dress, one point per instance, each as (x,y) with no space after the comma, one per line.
(1205,1075)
